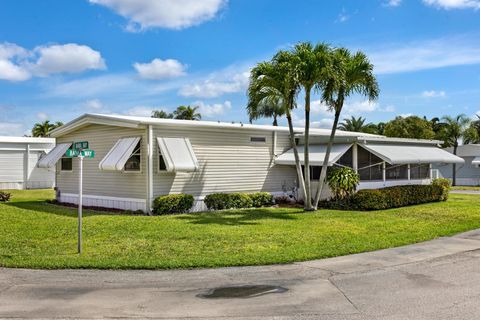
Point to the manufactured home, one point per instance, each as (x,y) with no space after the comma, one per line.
(467,173)
(18,163)
(138,159)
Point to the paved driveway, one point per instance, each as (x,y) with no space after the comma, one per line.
(439,279)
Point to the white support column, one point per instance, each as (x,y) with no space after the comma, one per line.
(408,171)
(355,157)
(149,168)
(384,171)
(26,167)
(430,170)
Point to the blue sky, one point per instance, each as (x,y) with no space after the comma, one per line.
(60,59)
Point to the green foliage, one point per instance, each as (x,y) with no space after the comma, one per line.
(445,184)
(43,129)
(187,113)
(409,127)
(261,199)
(173,203)
(238,200)
(455,128)
(5,196)
(160,114)
(343,182)
(357,125)
(398,196)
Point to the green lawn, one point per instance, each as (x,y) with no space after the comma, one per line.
(36,234)
(475,188)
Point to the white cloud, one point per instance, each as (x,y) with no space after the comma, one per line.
(66,58)
(93,104)
(453,4)
(210,110)
(171,14)
(343,17)
(216,85)
(424,55)
(19,64)
(139,111)
(389,108)
(42,116)
(360,106)
(393,3)
(160,69)
(433,94)
(406,115)
(317,107)
(11,129)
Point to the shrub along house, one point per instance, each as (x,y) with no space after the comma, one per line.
(138,159)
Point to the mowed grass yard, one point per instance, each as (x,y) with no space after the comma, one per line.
(36,234)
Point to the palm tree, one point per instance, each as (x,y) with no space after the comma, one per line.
(356,125)
(270,106)
(161,114)
(350,74)
(311,63)
(455,128)
(43,129)
(187,113)
(472,133)
(272,84)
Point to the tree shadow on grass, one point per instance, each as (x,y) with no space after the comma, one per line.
(237,217)
(57,209)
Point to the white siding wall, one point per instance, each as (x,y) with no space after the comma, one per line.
(467,174)
(103,183)
(228,162)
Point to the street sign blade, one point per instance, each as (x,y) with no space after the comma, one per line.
(88,153)
(80,145)
(72,153)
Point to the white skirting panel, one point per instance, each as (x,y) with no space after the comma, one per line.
(105,202)
(467,181)
(11,185)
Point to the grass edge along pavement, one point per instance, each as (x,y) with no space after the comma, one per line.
(36,234)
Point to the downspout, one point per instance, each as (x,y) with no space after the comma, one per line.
(26,167)
(355,157)
(149,169)
(274,145)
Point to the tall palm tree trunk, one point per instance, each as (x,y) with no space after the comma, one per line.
(323,173)
(275,123)
(301,183)
(308,192)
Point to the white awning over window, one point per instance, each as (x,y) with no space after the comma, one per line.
(476,161)
(50,159)
(117,156)
(178,154)
(316,153)
(404,154)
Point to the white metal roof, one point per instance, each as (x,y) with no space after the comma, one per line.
(316,154)
(8,139)
(404,154)
(466,150)
(49,160)
(118,156)
(178,154)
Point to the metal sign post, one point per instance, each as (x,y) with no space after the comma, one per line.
(80,203)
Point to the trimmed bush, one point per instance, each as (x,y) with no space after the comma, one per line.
(261,199)
(5,196)
(173,203)
(238,200)
(398,196)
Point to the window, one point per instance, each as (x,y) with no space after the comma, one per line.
(419,171)
(369,166)
(315,172)
(347,159)
(161,163)
(66,164)
(133,163)
(258,139)
(396,172)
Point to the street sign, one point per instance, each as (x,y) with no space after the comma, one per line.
(80,145)
(87,153)
(72,153)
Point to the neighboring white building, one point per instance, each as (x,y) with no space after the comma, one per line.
(138,159)
(18,163)
(468,173)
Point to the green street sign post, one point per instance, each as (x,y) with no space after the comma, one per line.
(80,150)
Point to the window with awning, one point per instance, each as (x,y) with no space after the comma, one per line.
(51,159)
(316,153)
(405,154)
(176,155)
(476,161)
(123,151)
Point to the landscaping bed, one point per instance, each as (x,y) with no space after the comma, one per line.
(36,234)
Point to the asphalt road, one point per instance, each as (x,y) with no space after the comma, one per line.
(439,279)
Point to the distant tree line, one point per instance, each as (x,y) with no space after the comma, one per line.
(181,113)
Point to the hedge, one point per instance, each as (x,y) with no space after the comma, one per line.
(238,200)
(173,203)
(391,197)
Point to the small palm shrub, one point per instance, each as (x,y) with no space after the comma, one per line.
(173,203)
(5,196)
(343,182)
